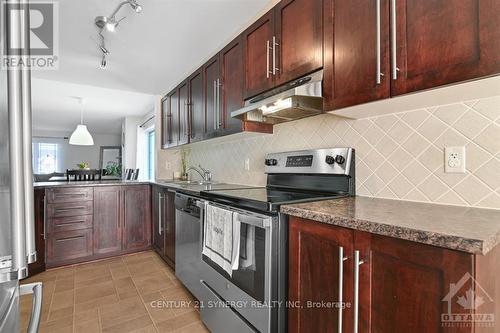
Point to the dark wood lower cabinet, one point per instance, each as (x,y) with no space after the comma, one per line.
(63,247)
(403,286)
(97,222)
(108,220)
(170,228)
(39,265)
(164,224)
(136,217)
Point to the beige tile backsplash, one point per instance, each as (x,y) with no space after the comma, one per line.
(398,156)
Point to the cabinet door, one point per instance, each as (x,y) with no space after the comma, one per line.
(174,118)
(39,265)
(232,71)
(299,39)
(136,217)
(441,42)
(404,285)
(170,227)
(107,219)
(158,220)
(257,41)
(196,110)
(166,117)
(211,74)
(183,113)
(351,48)
(69,247)
(319,273)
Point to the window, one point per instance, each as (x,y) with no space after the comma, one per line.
(150,160)
(45,158)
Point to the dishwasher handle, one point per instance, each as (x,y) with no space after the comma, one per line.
(35,289)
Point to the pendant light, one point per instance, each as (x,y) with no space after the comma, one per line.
(81,135)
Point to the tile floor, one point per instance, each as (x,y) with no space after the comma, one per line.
(122,294)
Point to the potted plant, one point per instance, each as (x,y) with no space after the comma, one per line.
(114,169)
(83,166)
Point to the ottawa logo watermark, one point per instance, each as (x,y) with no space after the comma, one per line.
(43,52)
(468,305)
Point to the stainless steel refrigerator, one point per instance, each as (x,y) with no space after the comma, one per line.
(17,241)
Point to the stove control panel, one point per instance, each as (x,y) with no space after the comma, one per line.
(319,161)
(271,161)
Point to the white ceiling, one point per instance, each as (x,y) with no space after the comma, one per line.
(150,53)
(56,109)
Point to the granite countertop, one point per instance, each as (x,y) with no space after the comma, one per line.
(471,230)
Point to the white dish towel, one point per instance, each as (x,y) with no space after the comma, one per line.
(222,238)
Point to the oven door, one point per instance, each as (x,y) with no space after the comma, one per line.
(251,288)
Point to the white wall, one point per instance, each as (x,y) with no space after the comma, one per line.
(71,155)
(129,141)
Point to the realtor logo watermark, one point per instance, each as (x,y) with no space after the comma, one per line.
(43,36)
(473,301)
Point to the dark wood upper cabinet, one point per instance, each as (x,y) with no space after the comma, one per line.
(441,42)
(196,107)
(232,74)
(211,79)
(257,53)
(184,126)
(170,120)
(136,217)
(353,73)
(166,123)
(107,219)
(298,39)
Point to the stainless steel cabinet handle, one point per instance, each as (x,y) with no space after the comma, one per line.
(379,50)
(341,286)
(357,262)
(394,42)
(215,105)
(268,47)
(35,289)
(160,198)
(186,118)
(275,45)
(219,118)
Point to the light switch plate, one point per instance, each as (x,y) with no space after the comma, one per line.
(247,164)
(454,159)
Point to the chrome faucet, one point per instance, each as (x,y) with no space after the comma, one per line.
(205,174)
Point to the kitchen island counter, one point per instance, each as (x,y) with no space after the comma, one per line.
(470,230)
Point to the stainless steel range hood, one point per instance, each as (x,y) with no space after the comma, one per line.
(298,99)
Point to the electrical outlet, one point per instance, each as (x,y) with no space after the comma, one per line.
(168,165)
(247,164)
(454,159)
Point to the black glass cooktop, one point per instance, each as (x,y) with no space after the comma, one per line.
(265,199)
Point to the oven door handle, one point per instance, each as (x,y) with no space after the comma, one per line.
(255,221)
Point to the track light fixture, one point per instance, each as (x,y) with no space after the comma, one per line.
(110,23)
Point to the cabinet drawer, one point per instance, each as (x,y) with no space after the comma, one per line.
(70,223)
(69,245)
(70,209)
(73,194)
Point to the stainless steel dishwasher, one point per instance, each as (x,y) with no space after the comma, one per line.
(188,234)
